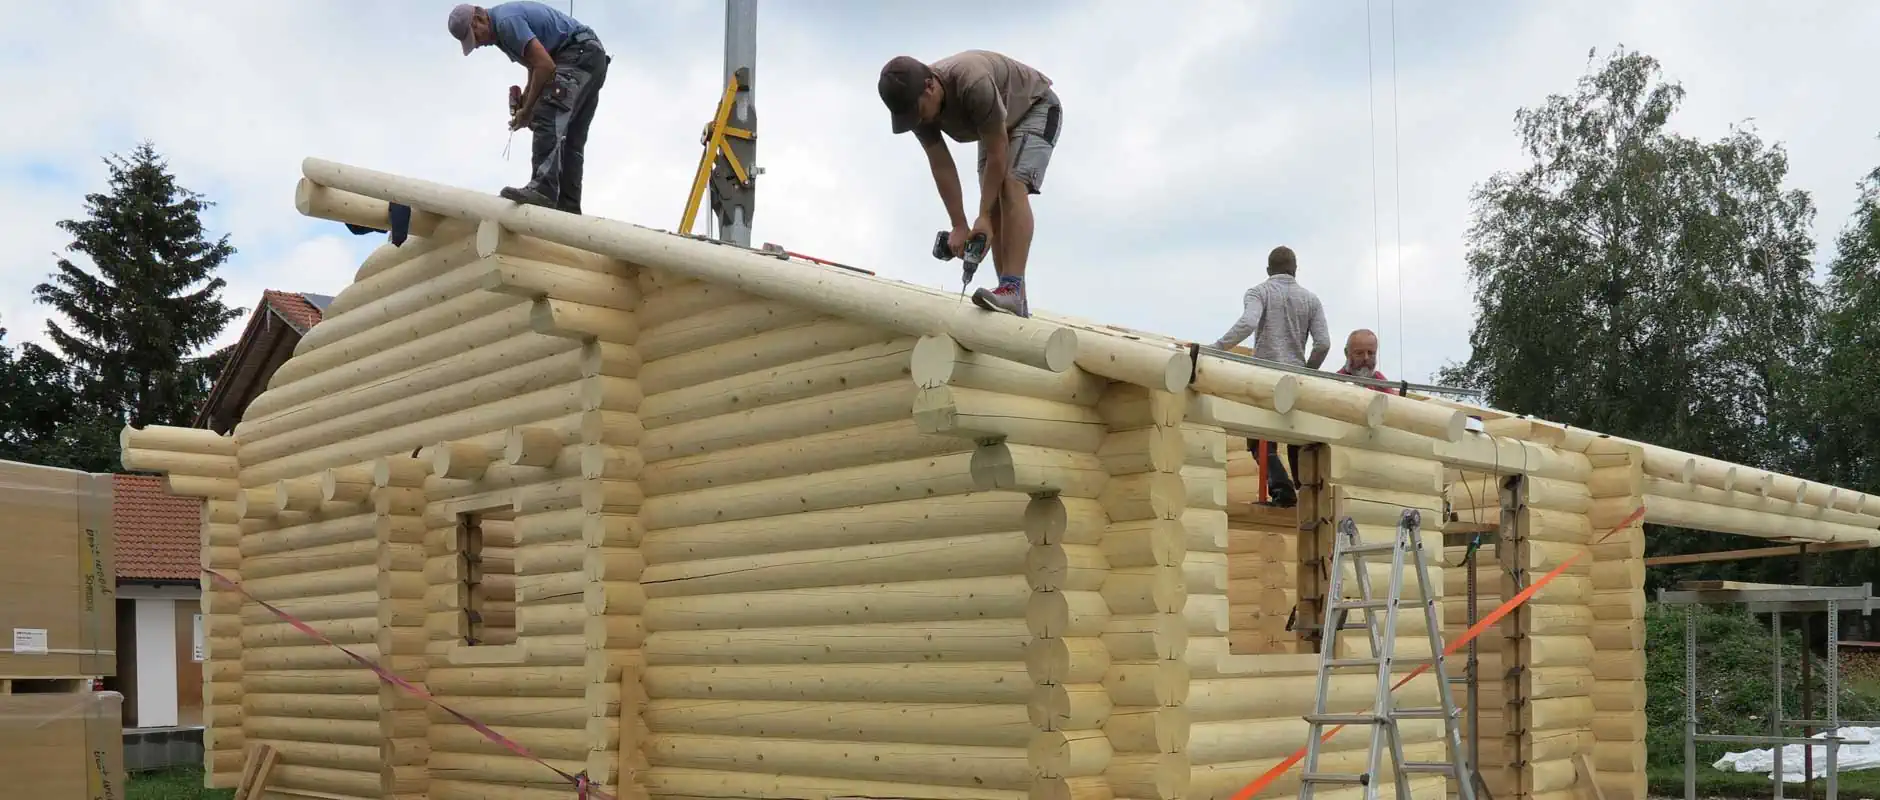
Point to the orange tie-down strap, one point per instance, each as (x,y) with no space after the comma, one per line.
(1259,784)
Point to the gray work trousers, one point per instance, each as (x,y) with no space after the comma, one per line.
(561,120)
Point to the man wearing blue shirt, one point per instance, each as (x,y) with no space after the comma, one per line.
(567,67)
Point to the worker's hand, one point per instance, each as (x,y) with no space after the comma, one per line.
(956,241)
(519,120)
(982,226)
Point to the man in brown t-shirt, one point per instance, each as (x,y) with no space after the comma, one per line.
(1012,112)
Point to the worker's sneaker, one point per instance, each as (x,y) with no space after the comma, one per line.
(1009,298)
(527,194)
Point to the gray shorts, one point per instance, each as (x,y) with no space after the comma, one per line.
(1032,141)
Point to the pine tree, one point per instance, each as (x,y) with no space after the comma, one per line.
(136,322)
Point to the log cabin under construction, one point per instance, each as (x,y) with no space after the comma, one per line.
(700,521)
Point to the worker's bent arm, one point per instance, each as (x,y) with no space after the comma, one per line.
(1245,326)
(541,70)
(1321,341)
(946,178)
(992,182)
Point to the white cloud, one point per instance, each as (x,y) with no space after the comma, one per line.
(1198,134)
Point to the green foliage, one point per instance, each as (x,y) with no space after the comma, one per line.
(153,301)
(1734,681)
(134,323)
(1644,283)
(1841,433)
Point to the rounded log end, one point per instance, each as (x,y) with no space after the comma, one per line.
(542,316)
(329,486)
(382,473)
(515,443)
(282,494)
(125,435)
(1455,426)
(1060,350)
(1047,612)
(1178,372)
(1046,520)
(933,360)
(1687,473)
(440,459)
(489,237)
(1286,393)
(992,467)
(303,196)
(1374,410)
(241,505)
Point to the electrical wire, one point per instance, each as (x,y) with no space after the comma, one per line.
(1396,166)
(1370,83)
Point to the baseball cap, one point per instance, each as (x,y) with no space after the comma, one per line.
(903,78)
(459,26)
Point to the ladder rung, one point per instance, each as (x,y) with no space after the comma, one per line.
(1360,605)
(1424,713)
(1335,777)
(1438,767)
(1352,662)
(1343,719)
(1370,547)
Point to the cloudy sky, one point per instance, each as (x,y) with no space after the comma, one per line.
(1197,134)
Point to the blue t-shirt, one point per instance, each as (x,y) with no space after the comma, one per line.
(517,22)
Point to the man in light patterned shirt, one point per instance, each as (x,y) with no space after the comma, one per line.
(1280,315)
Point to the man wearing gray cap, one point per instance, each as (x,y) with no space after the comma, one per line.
(567,67)
(1011,110)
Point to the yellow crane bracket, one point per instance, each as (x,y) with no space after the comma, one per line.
(715,134)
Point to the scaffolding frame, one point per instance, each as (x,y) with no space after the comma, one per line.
(1774,600)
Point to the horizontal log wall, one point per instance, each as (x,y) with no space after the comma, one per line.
(199,463)
(307,699)
(389,424)
(832,607)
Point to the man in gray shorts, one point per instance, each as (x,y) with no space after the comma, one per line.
(1012,112)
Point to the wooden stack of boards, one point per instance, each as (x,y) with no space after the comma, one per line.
(59,740)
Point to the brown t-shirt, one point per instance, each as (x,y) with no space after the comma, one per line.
(978,85)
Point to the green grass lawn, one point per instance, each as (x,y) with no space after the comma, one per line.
(1669,782)
(180,783)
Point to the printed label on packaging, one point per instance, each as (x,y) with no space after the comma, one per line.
(29,641)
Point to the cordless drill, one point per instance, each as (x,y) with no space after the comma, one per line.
(973,253)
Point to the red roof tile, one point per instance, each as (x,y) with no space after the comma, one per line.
(158,535)
(292,307)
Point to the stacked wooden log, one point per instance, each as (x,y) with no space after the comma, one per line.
(710,524)
(832,608)
(199,463)
(1618,626)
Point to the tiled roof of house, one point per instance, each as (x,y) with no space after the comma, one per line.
(295,308)
(158,535)
(268,339)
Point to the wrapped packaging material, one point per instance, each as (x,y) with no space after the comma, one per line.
(58,615)
(64,746)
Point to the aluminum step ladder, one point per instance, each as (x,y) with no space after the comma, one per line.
(1347,548)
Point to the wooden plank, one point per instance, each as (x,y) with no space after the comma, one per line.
(1749,553)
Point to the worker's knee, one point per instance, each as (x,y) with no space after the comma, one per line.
(1015,193)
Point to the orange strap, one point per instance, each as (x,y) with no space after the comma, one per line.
(1259,457)
(1259,784)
